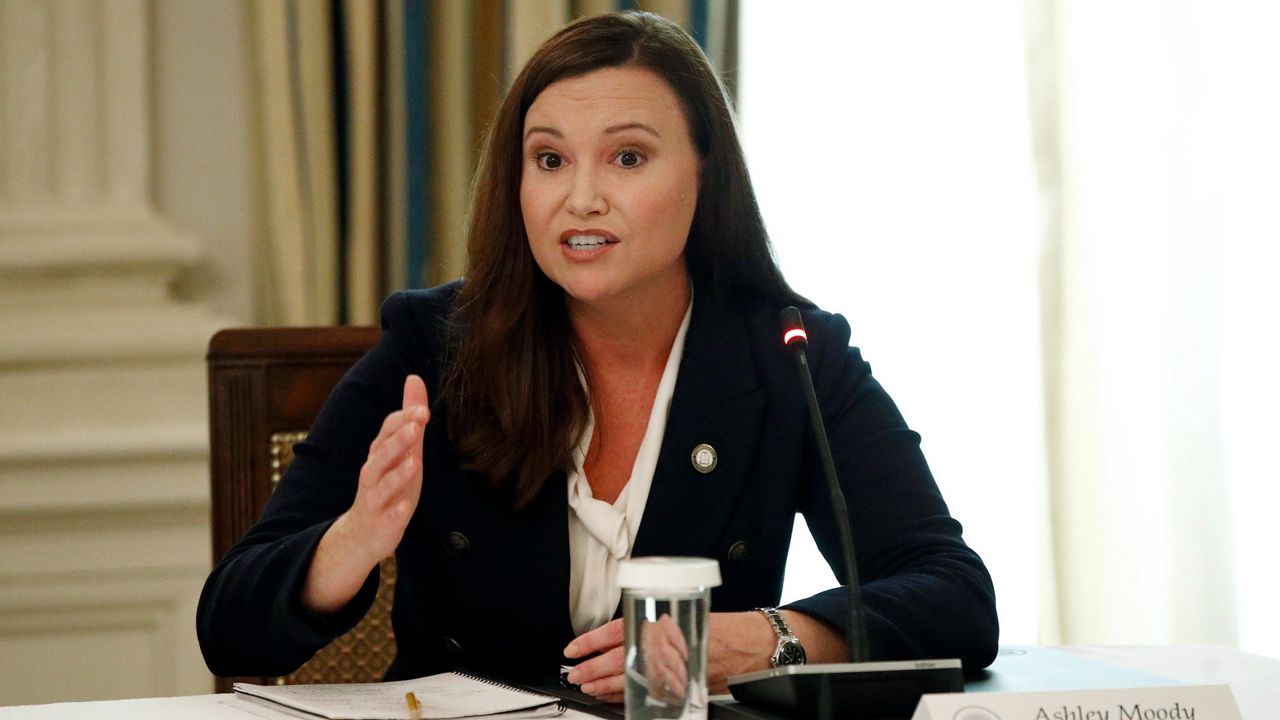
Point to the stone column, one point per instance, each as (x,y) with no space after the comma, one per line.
(104,530)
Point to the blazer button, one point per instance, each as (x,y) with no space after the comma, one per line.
(738,551)
(456,545)
(452,647)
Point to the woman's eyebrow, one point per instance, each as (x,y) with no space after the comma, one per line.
(540,129)
(612,129)
(632,126)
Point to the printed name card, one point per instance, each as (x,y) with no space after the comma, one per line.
(1178,702)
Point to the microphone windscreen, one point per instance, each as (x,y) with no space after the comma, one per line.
(793,327)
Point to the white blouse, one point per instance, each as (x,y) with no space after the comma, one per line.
(601,534)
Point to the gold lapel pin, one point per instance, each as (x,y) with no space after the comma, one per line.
(704,458)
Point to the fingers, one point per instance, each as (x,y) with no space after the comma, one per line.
(667,661)
(601,666)
(395,485)
(394,422)
(415,392)
(393,451)
(671,631)
(611,686)
(601,675)
(414,408)
(603,638)
(666,655)
(392,473)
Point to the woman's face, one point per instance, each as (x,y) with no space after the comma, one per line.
(609,185)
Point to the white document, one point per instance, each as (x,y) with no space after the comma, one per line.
(443,696)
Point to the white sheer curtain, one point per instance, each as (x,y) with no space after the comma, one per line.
(889,145)
(1164,488)
(892,149)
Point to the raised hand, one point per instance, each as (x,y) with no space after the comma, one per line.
(390,485)
(391,479)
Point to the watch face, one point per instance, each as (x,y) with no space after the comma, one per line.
(791,653)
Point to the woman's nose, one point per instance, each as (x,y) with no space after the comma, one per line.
(586,196)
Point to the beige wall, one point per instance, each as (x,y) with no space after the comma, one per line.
(128,228)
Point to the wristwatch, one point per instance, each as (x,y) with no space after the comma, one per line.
(789,650)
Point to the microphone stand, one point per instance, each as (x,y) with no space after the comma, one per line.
(858,689)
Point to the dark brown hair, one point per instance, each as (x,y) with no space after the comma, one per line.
(517,408)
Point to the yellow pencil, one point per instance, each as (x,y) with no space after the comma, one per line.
(415,710)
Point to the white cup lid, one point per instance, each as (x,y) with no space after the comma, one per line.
(669,573)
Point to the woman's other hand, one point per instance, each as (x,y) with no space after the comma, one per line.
(600,676)
(737,643)
(390,485)
(666,655)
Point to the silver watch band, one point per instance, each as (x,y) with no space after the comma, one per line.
(779,624)
(789,650)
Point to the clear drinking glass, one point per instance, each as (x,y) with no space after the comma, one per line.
(666,602)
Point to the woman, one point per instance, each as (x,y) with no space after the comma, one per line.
(612,357)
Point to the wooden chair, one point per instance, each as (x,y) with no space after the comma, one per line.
(266,386)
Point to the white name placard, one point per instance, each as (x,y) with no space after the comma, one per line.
(1178,702)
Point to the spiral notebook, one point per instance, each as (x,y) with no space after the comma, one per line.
(441,697)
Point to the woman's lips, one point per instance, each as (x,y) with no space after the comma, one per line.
(586,244)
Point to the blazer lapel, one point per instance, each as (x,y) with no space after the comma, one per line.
(718,401)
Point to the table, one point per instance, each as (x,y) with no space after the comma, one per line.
(1254,680)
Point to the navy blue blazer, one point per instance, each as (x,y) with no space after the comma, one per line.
(484,587)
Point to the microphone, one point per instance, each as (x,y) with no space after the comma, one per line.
(859,688)
(794,337)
